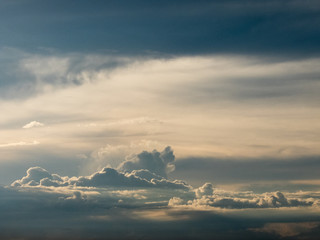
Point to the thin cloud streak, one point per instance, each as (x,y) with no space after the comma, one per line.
(19,144)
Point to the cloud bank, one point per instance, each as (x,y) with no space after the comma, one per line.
(136,194)
(147,169)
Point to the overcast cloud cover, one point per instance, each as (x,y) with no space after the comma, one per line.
(159,119)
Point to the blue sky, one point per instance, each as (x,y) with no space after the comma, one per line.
(159,119)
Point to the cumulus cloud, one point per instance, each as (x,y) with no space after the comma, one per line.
(147,169)
(156,162)
(110,195)
(33,124)
(205,190)
(113,155)
(107,177)
(206,196)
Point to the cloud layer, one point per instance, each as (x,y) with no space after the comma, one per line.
(169,27)
(89,204)
(147,169)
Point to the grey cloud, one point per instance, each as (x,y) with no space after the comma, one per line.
(25,74)
(156,162)
(43,212)
(111,177)
(143,201)
(170,27)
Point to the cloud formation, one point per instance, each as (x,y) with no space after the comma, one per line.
(169,27)
(33,124)
(140,172)
(207,197)
(136,198)
(156,162)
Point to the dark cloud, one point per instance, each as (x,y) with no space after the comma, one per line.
(142,204)
(35,213)
(25,74)
(174,27)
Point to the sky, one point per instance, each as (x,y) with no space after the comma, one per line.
(159,119)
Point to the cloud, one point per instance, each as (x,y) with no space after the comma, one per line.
(28,212)
(18,144)
(206,196)
(33,124)
(113,155)
(144,174)
(205,190)
(155,162)
(256,27)
(109,199)
(111,177)
(43,72)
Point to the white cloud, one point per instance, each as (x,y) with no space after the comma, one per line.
(33,124)
(18,144)
(144,172)
(207,197)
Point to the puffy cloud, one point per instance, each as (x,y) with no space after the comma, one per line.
(206,197)
(156,162)
(147,169)
(176,201)
(107,177)
(113,155)
(33,124)
(36,176)
(205,190)
(137,198)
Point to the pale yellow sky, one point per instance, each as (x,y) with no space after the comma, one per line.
(201,106)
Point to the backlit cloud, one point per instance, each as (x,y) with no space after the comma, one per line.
(33,124)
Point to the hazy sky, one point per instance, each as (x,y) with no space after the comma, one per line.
(159,119)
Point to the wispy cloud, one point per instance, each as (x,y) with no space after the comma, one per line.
(18,144)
